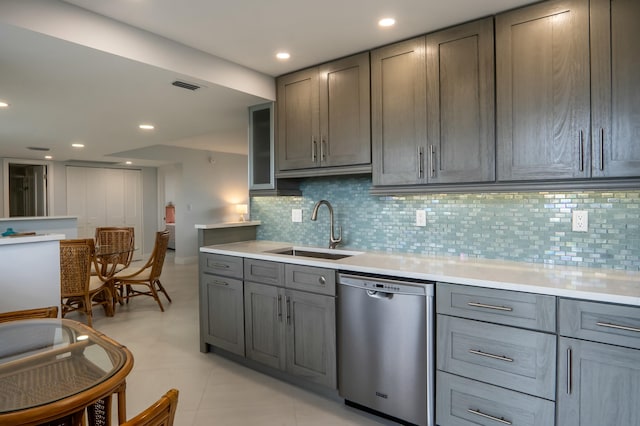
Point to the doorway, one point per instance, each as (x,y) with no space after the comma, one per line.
(27,190)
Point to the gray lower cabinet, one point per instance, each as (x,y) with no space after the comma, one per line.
(598,364)
(221,303)
(522,360)
(495,356)
(288,329)
(464,402)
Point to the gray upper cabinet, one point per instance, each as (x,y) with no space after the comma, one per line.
(542,91)
(433,113)
(615,87)
(324,116)
(298,119)
(398,112)
(461,104)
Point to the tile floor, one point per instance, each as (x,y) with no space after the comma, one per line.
(213,390)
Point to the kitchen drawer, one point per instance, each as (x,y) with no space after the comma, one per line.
(526,310)
(312,279)
(229,266)
(513,358)
(263,271)
(464,402)
(600,322)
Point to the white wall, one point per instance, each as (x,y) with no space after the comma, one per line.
(207,186)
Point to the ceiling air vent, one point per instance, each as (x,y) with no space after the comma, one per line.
(38,148)
(185,85)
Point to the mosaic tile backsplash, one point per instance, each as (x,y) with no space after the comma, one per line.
(521,226)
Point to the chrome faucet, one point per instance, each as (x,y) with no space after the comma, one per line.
(333,241)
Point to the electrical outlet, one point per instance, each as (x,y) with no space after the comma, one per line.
(580,221)
(421,218)
(296,215)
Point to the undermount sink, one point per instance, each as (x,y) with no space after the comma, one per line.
(330,254)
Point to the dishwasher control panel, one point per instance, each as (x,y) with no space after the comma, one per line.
(386,285)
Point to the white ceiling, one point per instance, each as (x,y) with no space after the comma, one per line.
(62,92)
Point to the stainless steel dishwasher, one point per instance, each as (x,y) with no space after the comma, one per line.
(386,346)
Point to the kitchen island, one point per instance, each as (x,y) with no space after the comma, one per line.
(30,271)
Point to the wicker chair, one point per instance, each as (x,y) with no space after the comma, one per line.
(80,289)
(148,275)
(161,413)
(123,238)
(50,312)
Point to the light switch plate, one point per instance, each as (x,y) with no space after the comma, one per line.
(296,215)
(421,218)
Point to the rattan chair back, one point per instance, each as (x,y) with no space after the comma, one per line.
(76,291)
(161,413)
(148,275)
(76,257)
(121,238)
(49,312)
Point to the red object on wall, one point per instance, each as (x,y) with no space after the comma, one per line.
(170,213)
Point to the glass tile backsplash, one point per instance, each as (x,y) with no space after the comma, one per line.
(521,226)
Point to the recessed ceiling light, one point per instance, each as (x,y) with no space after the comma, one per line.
(387,22)
(77,145)
(128,162)
(4,105)
(283,55)
(147,126)
(48,157)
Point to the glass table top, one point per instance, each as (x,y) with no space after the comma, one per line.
(45,360)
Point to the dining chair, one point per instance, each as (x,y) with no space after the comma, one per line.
(160,413)
(122,239)
(48,312)
(79,290)
(148,275)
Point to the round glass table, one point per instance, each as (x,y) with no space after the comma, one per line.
(54,369)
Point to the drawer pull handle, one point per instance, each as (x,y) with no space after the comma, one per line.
(492,356)
(220,265)
(322,280)
(486,416)
(618,327)
(497,308)
(218,282)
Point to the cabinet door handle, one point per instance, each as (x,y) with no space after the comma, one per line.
(569,368)
(219,282)
(497,308)
(280,308)
(601,148)
(314,150)
(581,149)
(323,150)
(288,301)
(618,327)
(487,416)
(432,153)
(492,356)
(420,163)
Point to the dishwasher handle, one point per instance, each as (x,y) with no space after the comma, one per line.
(379,294)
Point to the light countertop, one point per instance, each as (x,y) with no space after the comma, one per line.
(229,224)
(32,218)
(5,241)
(596,284)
